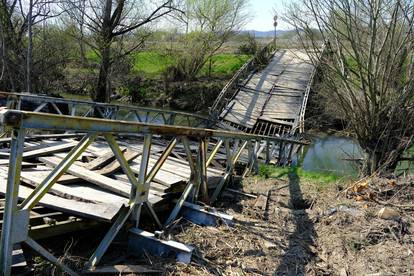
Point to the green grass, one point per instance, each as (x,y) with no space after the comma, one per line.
(318,178)
(152,64)
(92,56)
(225,64)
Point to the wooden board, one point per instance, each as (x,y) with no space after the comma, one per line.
(118,187)
(98,211)
(79,191)
(49,150)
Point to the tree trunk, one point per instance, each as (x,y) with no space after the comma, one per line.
(102,92)
(29,48)
(82,34)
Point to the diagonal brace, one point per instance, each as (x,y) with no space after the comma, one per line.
(57,172)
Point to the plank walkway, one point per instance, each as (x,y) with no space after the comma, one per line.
(269,101)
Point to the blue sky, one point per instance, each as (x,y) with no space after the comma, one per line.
(262,17)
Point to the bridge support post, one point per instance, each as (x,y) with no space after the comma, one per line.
(268,156)
(202,170)
(232,158)
(280,155)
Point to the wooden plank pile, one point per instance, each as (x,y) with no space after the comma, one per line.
(95,186)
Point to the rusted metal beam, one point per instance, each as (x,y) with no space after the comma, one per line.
(203,170)
(214,152)
(14,118)
(10,210)
(106,110)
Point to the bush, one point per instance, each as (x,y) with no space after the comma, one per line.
(250,47)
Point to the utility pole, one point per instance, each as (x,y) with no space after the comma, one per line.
(275,25)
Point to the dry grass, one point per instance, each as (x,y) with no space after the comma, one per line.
(336,235)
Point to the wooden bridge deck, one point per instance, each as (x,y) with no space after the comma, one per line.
(271,98)
(95,186)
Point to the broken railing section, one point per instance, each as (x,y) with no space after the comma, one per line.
(37,103)
(16,216)
(300,120)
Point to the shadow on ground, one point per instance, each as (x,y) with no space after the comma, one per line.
(299,252)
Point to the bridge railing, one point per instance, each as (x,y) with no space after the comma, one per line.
(301,118)
(230,89)
(39,103)
(16,215)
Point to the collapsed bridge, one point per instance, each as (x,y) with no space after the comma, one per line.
(139,164)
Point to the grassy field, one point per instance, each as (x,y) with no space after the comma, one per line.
(152,64)
(225,64)
(323,179)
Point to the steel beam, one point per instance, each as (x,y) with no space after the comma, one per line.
(229,171)
(202,167)
(179,204)
(142,190)
(110,236)
(10,209)
(35,120)
(214,152)
(205,216)
(44,253)
(157,166)
(141,242)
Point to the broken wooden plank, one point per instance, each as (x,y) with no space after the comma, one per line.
(102,181)
(115,166)
(49,150)
(102,160)
(99,211)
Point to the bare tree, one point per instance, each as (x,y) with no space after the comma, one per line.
(17,19)
(209,24)
(108,22)
(368,69)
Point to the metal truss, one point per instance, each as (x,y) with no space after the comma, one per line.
(79,108)
(16,215)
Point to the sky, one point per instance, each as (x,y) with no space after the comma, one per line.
(262,15)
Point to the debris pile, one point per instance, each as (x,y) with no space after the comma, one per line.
(334,235)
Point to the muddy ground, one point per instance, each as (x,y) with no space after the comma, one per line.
(306,229)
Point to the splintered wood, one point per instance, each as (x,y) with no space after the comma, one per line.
(95,186)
